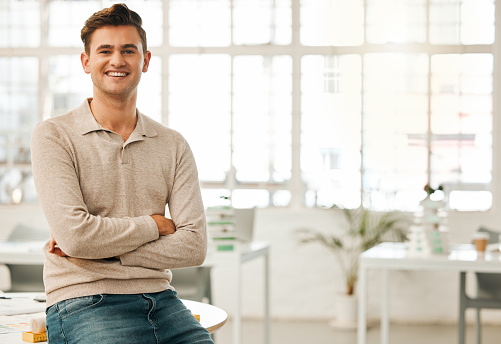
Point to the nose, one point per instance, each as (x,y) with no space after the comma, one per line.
(117,60)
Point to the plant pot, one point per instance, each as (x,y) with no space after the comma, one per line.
(346,312)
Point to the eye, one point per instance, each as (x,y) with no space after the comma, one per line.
(129,52)
(105,52)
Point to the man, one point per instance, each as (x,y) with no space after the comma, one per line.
(104,174)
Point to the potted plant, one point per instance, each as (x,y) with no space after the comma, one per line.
(362,230)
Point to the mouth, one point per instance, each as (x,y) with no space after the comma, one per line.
(117,74)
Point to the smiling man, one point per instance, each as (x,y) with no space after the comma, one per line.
(104,174)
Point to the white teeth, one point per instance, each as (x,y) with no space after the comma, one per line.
(116,74)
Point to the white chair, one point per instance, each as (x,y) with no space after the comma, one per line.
(488,294)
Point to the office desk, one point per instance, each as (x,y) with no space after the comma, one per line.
(30,253)
(234,260)
(211,317)
(393,256)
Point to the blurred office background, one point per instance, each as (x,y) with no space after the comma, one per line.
(290,106)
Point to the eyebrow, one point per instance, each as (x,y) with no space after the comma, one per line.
(125,46)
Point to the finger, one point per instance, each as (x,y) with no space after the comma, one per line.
(59,252)
(52,241)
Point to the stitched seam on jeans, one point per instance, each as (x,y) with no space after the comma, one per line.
(61,324)
(77,299)
(85,308)
(151,314)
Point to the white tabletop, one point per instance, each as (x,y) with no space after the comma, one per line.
(462,257)
(211,317)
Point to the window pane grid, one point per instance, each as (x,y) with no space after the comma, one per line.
(395,107)
(68,85)
(66,19)
(462,21)
(18,116)
(394,21)
(330,133)
(370,116)
(461,110)
(199,23)
(262,118)
(332,22)
(205,122)
(19,23)
(261,22)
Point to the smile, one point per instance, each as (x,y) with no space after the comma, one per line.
(116,74)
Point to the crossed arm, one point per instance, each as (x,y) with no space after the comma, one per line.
(165,227)
(150,241)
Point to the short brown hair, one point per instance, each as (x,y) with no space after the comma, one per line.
(116,15)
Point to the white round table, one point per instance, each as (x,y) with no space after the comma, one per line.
(211,317)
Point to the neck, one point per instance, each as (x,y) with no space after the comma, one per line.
(116,114)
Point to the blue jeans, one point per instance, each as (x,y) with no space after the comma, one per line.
(155,318)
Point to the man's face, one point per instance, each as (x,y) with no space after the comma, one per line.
(115,60)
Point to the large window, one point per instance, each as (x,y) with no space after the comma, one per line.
(284,102)
(404,100)
(18,115)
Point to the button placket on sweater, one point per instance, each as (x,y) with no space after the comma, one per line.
(125,155)
(126,149)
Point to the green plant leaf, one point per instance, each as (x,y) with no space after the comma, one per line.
(365,229)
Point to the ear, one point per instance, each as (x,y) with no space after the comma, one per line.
(146,61)
(84,58)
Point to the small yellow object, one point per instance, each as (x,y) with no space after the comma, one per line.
(34,337)
(197,316)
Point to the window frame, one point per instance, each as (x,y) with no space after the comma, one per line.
(296,50)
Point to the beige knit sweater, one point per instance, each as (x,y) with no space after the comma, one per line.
(98,192)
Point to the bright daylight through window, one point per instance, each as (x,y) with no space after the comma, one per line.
(284,102)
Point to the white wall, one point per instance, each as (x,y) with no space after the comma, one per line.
(305,278)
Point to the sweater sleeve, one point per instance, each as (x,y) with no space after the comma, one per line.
(188,245)
(77,232)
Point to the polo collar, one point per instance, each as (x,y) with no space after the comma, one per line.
(144,125)
(87,123)
(84,119)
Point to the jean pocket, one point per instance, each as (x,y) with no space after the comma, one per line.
(51,310)
(78,304)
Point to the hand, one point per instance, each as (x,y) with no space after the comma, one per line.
(54,249)
(165,225)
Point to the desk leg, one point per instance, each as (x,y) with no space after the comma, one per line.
(362,305)
(462,301)
(266,299)
(237,317)
(385,309)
